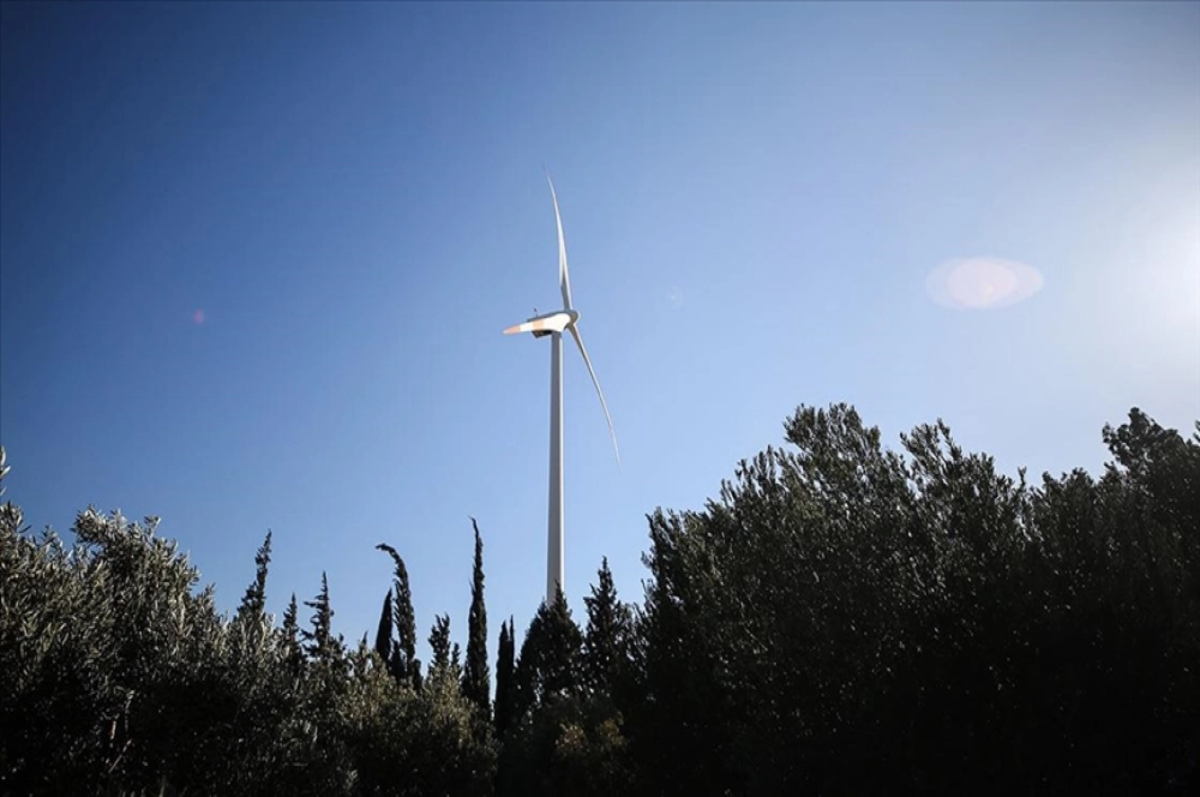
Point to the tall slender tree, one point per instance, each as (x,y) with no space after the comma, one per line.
(254,602)
(383,636)
(290,619)
(549,661)
(606,639)
(504,678)
(319,642)
(292,653)
(477,684)
(439,644)
(405,663)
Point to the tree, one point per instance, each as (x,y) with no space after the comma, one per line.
(254,602)
(561,739)
(320,643)
(383,635)
(606,640)
(293,654)
(849,619)
(290,618)
(548,666)
(456,663)
(840,619)
(477,685)
(106,646)
(504,678)
(439,644)
(120,677)
(405,665)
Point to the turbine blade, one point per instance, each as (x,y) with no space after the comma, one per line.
(564,276)
(555,322)
(603,404)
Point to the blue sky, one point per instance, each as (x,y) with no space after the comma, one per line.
(753,197)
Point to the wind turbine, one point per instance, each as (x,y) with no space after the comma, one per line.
(555,324)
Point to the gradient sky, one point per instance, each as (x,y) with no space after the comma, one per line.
(255,260)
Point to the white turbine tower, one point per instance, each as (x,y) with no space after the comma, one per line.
(555,324)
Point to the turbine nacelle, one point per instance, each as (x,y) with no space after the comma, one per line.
(542,325)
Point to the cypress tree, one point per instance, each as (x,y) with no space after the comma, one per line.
(320,639)
(477,685)
(607,633)
(504,678)
(254,602)
(290,624)
(383,636)
(549,661)
(405,664)
(292,653)
(439,643)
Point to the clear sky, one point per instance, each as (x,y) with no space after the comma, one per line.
(255,261)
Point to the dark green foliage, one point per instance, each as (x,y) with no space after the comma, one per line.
(505,659)
(439,643)
(404,663)
(293,653)
(319,642)
(477,684)
(607,638)
(120,680)
(841,619)
(383,635)
(569,746)
(566,734)
(117,676)
(549,664)
(291,621)
(848,619)
(254,602)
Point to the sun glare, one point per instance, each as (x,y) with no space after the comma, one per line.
(982,283)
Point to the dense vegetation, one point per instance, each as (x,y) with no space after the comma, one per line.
(842,619)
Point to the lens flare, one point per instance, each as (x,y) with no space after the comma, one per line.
(198,317)
(982,283)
